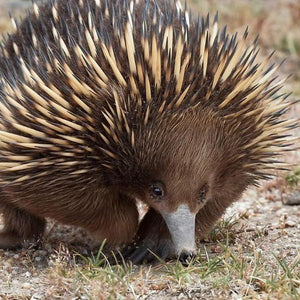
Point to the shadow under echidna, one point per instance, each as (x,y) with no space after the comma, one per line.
(104,103)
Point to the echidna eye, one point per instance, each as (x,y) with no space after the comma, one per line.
(202,194)
(157,190)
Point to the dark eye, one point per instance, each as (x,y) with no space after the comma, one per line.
(157,191)
(202,195)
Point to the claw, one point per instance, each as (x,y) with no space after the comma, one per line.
(186,257)
(127,251)
(148,252)
(138,255)
(137,252)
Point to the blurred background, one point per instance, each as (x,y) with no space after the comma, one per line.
(277,22)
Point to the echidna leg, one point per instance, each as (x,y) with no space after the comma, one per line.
(153,237)
(118,221)
(208,216)
(19,227)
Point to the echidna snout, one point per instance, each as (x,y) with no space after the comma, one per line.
(181,181)
(181,224)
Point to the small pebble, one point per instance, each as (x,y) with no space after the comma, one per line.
(36,296)
(42,252)
(290,223)
(292,199)
(26,285)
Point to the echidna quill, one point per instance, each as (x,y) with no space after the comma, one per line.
(104,103)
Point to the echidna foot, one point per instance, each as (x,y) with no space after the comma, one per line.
(148,251)
(10,240)
(153,240)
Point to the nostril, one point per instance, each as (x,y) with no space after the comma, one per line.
(186,257)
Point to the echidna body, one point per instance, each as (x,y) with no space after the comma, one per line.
(107,102)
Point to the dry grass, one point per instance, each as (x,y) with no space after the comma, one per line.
(253,253)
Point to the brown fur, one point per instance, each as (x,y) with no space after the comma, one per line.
(103,212)
(19,226)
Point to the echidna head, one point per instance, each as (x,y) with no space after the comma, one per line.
(178,167)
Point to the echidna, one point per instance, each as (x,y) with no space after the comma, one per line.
(104,103)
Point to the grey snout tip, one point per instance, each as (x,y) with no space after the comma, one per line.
(181,224)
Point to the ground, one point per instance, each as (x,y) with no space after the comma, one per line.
(252,253)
